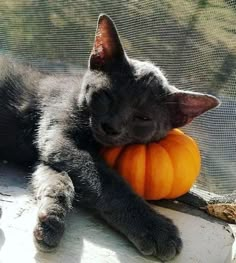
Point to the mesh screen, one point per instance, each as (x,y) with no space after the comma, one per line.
(194,42)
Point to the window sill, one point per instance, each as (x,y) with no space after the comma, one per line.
(87,239)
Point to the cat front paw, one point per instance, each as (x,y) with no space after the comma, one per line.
(49,229)
(158,237)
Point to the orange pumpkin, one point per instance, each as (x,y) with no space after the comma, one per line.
(165,169)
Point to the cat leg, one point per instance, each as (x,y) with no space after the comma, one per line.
(54,193)
(100,188)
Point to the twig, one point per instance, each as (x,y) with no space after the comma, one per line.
(6,201)
(4,194)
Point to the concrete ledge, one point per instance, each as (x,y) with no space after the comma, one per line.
(88,239)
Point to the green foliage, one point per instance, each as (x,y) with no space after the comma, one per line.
(191,40)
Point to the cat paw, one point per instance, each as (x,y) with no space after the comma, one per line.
(48,230)
(158,237)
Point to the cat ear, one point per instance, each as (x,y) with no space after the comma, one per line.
(185,106)
(107,47)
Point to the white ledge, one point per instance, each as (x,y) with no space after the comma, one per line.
(87,239)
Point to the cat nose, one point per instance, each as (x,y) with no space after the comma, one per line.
(109,129)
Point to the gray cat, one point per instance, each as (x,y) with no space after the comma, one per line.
(61,123)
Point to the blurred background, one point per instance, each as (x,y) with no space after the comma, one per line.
(194,42)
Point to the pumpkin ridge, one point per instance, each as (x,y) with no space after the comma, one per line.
(191,153)
(117,164)
(192,150)
(172,181)
(145,174)
(193,162)
(118,157)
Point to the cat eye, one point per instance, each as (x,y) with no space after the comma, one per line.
(141,118)
(107,94)
(101,102)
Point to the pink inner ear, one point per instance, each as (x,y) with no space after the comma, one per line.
(106,38)
(194,104)
(107,46)
(185,106)
(98,50)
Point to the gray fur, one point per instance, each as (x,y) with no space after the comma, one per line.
(61,123)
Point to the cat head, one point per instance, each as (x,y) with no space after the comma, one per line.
(131,101)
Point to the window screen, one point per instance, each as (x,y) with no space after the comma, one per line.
(194,42)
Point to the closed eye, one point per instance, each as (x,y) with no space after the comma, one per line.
(107,95)
(141,118)
(101,102)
